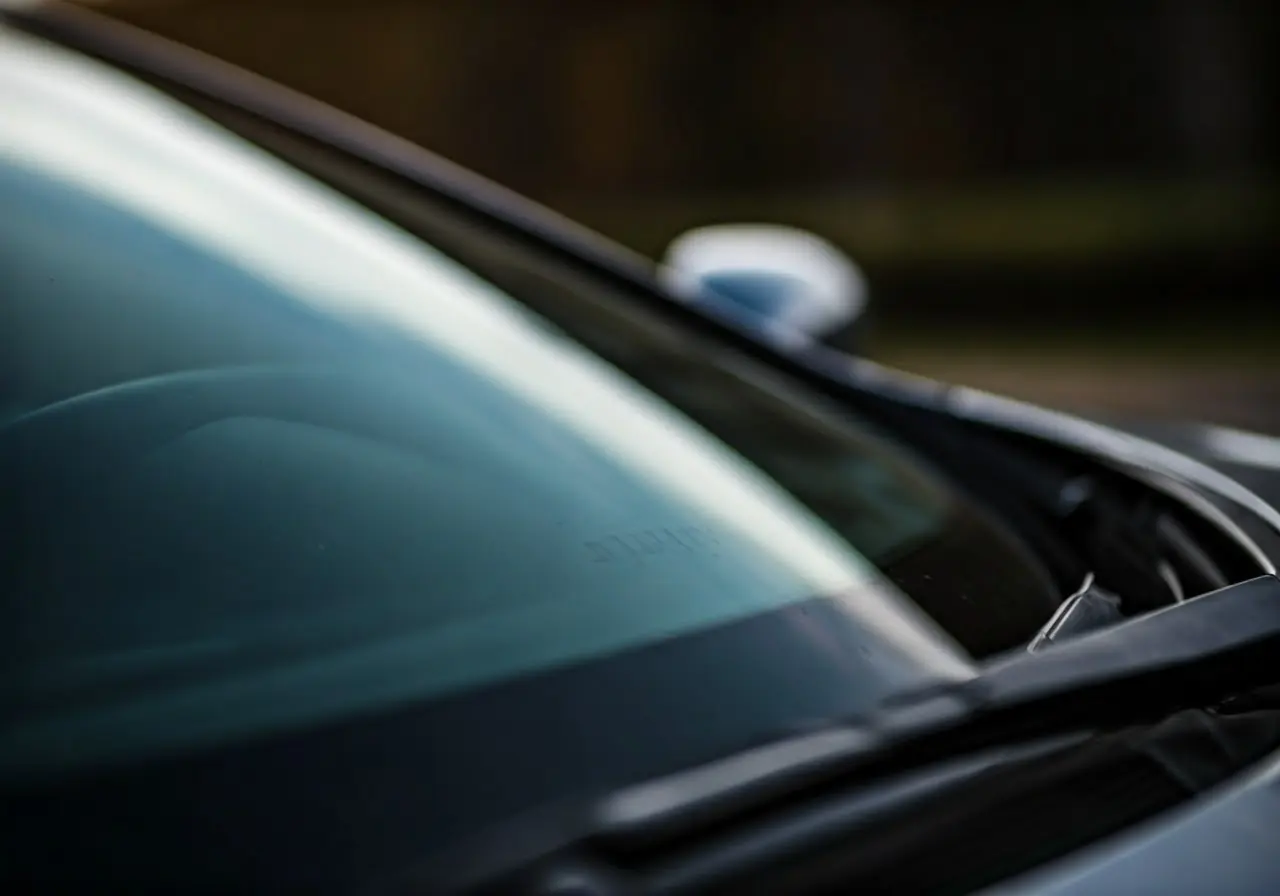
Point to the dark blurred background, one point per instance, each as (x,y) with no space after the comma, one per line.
(1074,202)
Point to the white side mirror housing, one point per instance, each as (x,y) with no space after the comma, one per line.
(787,282)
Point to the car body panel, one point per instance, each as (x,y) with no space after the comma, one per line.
(1222,843)
(1252,459)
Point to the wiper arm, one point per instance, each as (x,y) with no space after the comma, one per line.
(1089,608)
(1193,654)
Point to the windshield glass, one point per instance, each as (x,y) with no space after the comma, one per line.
(293,499)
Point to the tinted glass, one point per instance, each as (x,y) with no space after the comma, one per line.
(307,526)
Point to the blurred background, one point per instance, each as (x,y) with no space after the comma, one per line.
(1073,202)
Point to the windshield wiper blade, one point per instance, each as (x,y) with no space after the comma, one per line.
(1193,654)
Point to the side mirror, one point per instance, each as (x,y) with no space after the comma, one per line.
(789,283)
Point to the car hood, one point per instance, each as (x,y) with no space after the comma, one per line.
(1252,459)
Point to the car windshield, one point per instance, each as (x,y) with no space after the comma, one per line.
(316,536)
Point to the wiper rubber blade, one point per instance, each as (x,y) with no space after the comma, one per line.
(1193,654)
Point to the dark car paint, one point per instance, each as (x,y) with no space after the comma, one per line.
(1222,844)
(1225,844)
(1260,475)
(1199,441)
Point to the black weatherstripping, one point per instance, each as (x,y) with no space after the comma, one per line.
(1194,654)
